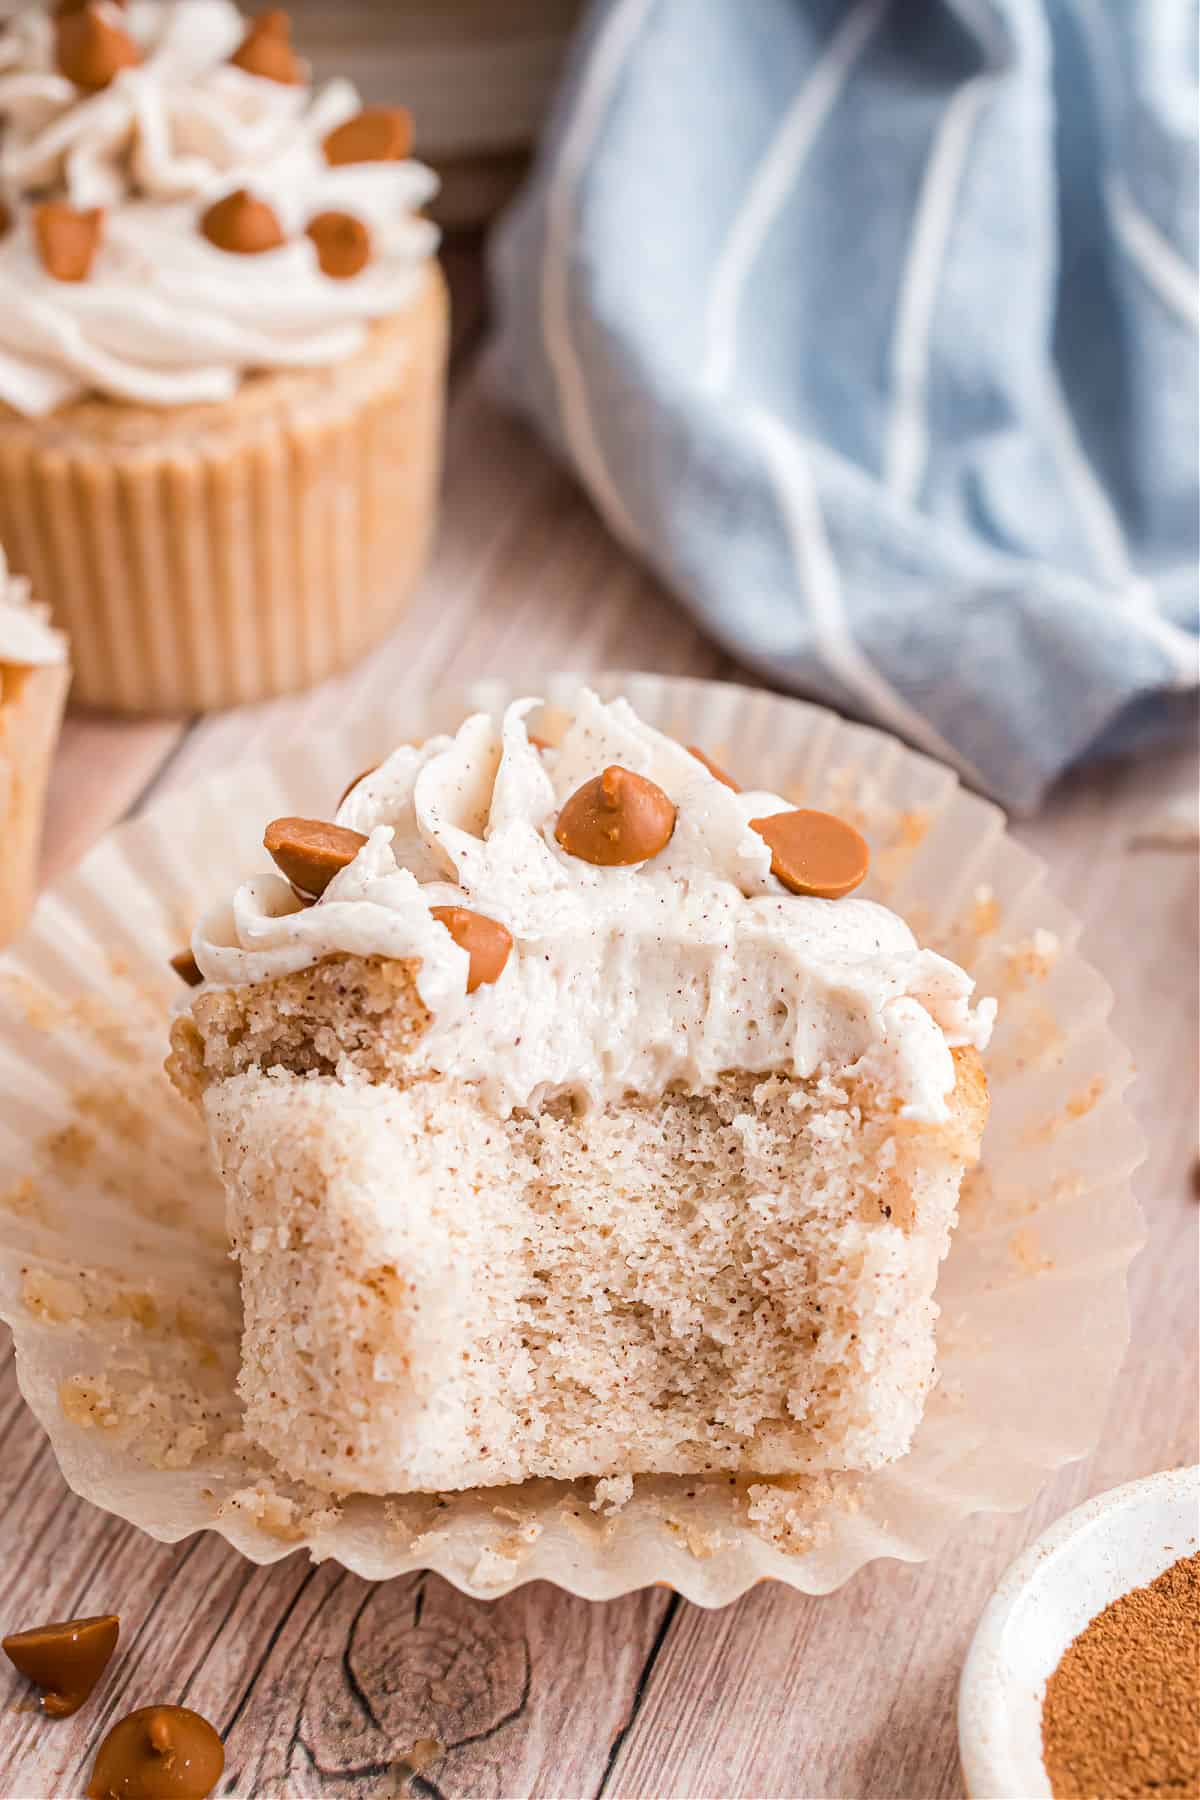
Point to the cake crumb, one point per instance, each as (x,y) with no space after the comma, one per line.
(984,916)
(87,1401)
(1027,1253)
(52,1298)
(279,1515)
(1030,959)
(493,1570)
(702,1542)
(612,1493)
(790,1513)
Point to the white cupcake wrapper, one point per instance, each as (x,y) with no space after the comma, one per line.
(125,1309)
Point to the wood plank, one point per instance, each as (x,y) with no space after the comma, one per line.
(101,768)
(321,1682)
(854,1693)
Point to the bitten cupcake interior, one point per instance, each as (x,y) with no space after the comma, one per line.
(570,1127)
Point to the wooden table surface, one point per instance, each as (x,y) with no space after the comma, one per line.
(321,1682)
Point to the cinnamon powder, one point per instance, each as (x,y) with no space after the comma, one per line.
(1121,1717)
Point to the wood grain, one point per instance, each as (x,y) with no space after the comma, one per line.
(323,1683)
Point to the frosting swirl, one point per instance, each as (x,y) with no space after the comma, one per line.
(166,317)
(621,979)
(27,639)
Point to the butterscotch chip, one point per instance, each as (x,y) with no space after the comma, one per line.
(615,819)
(90,49)
(66,1660)
(266,50)
(486,941)
(714,769)
(346,792)
(158,1753)
(815,853)
(343,244)
(377,134)
(67,240)
(242,224)
(310,852)
(6,220)
(187,968)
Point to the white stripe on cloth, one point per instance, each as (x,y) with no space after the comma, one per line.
(786,456)
(1160,264)
(785,452)
(1109,551)
(791,144)
(907,446)
(605,67)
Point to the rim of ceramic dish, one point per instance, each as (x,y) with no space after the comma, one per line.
(988,1740)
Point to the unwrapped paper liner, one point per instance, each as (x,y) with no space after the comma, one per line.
(114,1270)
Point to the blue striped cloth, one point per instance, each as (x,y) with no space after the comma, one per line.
(873,328)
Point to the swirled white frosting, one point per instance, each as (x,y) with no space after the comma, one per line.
(165,317)
(27,639)
(620,980)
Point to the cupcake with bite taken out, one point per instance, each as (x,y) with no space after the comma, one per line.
(33,685)
(222,350)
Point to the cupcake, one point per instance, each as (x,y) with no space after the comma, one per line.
(577,1118)
(222,348)
(33,684)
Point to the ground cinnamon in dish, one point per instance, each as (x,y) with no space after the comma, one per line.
(1121,1718)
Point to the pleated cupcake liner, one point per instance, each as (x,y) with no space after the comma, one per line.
(113,1264)
(202,557)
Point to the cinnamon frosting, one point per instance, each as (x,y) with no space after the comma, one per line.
(165,316)
(621,979)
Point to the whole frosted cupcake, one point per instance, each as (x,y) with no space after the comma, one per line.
(222,344)
(33,685)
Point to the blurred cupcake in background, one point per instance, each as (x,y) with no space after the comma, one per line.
(34,676)
(222,350)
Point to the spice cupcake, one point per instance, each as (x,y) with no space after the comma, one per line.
(222,346)
(576,1119)
(33,683)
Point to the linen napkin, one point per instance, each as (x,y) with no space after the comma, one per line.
(872,326)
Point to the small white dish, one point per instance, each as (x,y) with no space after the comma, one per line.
(1112,1543)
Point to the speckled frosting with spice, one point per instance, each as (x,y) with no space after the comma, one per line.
(178,206)
(624,979)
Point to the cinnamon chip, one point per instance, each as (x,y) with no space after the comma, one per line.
(310,852)
(66,1660)
(486,941)
(67,240)
(266,50)
(90,49)
(158,1753)
(815,853)
(343,244)
(6,220)
(616,819)
(187,968)
(242,225)
(377,134)
(714,769)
